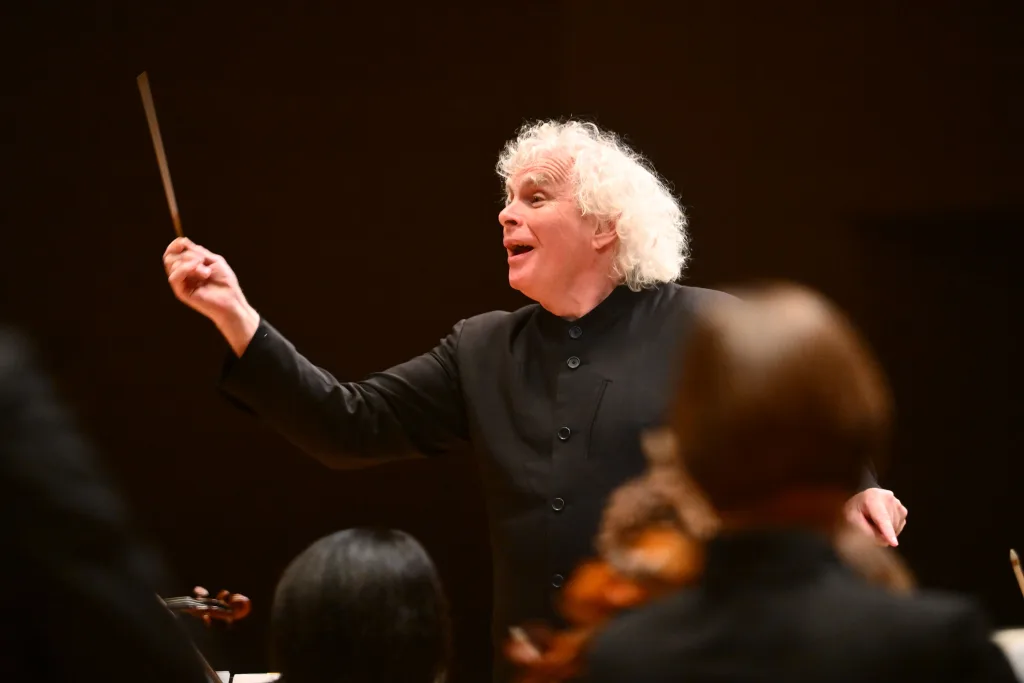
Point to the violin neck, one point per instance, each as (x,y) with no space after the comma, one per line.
(185,603)
(182,603)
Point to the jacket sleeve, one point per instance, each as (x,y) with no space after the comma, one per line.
(869,479)
(80,598)
(412,409)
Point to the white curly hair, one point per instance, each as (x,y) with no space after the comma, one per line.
(617,185)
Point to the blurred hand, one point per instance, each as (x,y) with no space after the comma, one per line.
(879,513)
(205,282)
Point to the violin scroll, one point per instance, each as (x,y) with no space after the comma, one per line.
(227,607)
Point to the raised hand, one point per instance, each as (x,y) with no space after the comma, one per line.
(205,282)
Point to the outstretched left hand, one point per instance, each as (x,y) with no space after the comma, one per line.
(879,513)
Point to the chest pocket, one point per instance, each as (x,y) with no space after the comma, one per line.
(628,406)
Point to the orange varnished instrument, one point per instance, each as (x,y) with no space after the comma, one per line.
(645,551)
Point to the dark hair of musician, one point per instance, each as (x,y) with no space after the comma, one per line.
(361,606)
(778,394)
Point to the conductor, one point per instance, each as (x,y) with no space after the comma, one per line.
(552,397)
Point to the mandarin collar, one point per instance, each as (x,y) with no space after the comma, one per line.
(621,300)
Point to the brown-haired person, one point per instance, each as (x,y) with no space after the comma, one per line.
(780,407)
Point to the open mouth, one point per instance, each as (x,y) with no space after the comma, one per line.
(519,249)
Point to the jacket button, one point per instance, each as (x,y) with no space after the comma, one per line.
(573,362)
(558,505)
(563,433)
(557,580)
(575,332)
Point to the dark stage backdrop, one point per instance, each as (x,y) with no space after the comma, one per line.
(342,158)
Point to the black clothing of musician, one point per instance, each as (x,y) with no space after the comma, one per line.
(553,409)
(79,584)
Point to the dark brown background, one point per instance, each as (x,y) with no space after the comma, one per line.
(342,160)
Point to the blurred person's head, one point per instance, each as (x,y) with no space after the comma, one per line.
(780,407)
(361,605)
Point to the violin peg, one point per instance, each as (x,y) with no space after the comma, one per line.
(240,606)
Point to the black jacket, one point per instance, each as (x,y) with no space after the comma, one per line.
(779,606)
(553,409)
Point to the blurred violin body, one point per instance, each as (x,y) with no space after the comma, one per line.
(646,552)
(596,592)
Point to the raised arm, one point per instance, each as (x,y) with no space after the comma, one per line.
(415,408)
(411,409)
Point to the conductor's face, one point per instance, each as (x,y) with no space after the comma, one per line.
(548,241)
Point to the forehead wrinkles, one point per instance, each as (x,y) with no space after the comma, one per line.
(549,170)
